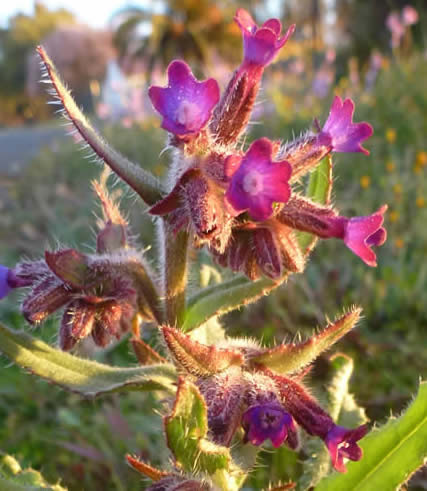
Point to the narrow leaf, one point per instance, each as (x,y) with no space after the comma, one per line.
(186,430)
(141,181)
(224,297)
(84,377)
(199,359)
(319,190)
(288,358)
(391,453)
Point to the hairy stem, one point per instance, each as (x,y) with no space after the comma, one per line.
(141,181)
(175,274)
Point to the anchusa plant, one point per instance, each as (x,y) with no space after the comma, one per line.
(239,202)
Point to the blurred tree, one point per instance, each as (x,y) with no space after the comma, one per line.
(22,34)
(190,29)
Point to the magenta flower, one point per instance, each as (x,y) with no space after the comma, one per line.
(261,44)
(339,130)
(259,182)
(267,421)
(341,443)
(361,233)
(185,104)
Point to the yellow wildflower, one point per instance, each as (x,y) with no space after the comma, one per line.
(397,188)
(393,216)
(390,166)
(421,158)
(421,202)
(365,181)
(390,135)
(399,243)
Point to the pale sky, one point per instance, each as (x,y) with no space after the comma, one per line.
(93,12)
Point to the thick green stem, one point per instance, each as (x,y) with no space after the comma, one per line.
(175,274)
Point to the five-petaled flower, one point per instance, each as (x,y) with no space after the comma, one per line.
(340,132)
(341,442)
(267,421)
(261,44)
(259,182)
(185,104)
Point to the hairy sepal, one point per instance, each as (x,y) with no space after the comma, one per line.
(199,359)
(290,358)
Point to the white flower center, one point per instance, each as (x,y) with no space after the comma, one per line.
(188,114)
(253,183)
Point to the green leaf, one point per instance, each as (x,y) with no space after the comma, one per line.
(141,181)
(391,453)
(224,297)
(84,377)
(319,190)
(14,478)
(186,430)
(289,358)
(343,410)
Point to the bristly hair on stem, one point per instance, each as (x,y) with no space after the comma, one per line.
(141,181)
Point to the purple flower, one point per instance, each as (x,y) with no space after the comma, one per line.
(185,104)
(267,421)
(339,130)
(341,443)
(4,281)
(259,182)
(261,44)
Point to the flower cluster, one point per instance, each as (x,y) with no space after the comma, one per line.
(262,392)
(241,203)
(100,293)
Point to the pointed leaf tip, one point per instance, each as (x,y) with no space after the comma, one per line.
(199,359)
(290,358)
(145,469)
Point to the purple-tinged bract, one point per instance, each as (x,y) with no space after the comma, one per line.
(261,44)
(185,104)
(341,442)
(259,182)
(267,421)
(339,130)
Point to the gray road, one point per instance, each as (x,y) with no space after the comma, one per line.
(19,145)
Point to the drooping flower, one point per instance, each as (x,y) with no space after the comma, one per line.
(259,182)
(266,421)
(342,442)
(185,104)
(339,130)
(362,233)
(359,234)
(261,44)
